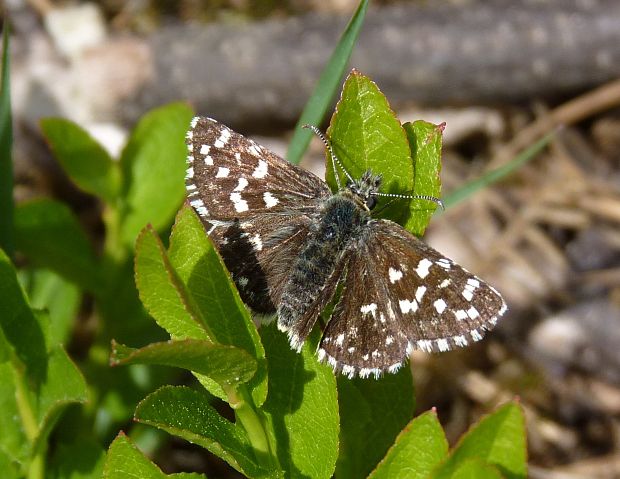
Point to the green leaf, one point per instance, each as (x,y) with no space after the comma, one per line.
(302,407)
(82,458)
(44,380)
(321,98)
(14,446)
(202,270)
(84,160)
(162,292)
(125,460)
(226,365)
(6,145)
(153,166)
(476,469)
(186,413)
(48,233)
(366,135)
(61,298)
(493,176)
(372,412)
(498,439)
(425,143)
(20,326)
(418,449)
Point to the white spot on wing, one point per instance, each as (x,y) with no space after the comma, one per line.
(467,294)
(440,305)
(425,345)
(473,313)
(190,173)
(340,339)
(395,275)
(389,340)
(209,160)
(257,242)
(419,293)
(444,283)
(222,172)
(406,306)
(442,344)
(369,308)
(194,121)
(461,314)
(243,281)
(239,203)
(270,200)
(223,139)
(460,340)
(423,268)
(204,149)
(242,184)
(261,169)
(475,335)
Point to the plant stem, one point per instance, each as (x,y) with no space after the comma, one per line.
(253,424)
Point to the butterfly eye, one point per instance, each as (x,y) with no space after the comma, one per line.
(371,202)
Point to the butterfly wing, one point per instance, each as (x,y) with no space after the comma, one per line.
(231,177)
(255,206)
(399,295)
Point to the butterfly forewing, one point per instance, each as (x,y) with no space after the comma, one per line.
(407,297)
(255,206)
(240,179)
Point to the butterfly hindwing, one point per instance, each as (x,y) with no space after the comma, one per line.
(408,297)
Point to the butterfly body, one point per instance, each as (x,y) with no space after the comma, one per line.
(291,244)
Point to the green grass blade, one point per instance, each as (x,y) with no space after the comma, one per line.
(492,176)
(6,141)
(327,86)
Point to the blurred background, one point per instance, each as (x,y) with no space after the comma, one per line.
(500,73)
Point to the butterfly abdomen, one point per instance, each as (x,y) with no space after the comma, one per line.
(341,222)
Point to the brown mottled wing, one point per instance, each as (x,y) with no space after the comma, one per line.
(255,206)
(399,295)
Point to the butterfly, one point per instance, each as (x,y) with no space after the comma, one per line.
(293,247)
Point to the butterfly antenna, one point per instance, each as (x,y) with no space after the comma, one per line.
(415,197)
(335,160)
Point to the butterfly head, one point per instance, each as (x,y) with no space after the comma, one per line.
(366,188)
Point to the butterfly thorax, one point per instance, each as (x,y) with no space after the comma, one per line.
(365,189)
(339,227)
